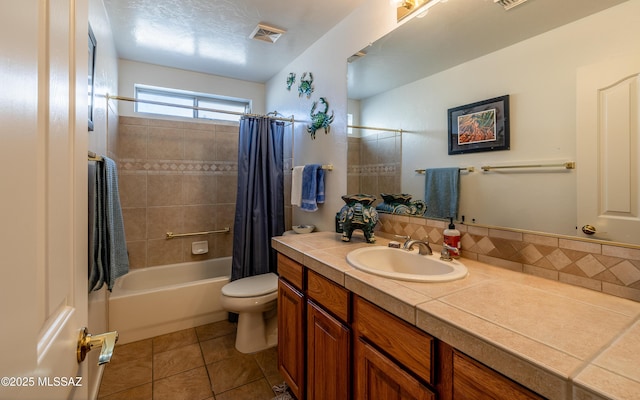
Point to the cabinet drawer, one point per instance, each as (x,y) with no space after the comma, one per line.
(472,380)
(408,345)
(290,270)
(329,295)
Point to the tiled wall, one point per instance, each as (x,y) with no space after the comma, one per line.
(374,164)
(176,177)
(597,266)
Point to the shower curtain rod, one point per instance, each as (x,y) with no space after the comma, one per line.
(160,103)
(373,128)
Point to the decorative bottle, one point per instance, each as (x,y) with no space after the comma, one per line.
(452,238)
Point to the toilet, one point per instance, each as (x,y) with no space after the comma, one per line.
(254,299)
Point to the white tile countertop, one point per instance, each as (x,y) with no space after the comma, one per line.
(561,341)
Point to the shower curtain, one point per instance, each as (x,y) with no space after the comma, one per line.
(260,196)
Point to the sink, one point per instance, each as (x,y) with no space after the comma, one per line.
(405,265)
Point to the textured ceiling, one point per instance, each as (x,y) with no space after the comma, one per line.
(212,36)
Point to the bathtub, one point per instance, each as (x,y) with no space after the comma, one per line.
(152,301)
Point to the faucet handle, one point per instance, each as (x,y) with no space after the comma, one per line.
(404,237)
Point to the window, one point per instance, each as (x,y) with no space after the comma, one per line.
(183,103)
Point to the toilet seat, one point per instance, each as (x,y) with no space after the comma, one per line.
(252,286)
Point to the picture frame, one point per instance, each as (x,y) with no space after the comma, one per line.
(479,126)
(91,74)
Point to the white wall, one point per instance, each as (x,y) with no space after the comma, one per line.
(539,74)
(326,59)
(132,72)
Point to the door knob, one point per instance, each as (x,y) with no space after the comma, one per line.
(106,342)
(588,229)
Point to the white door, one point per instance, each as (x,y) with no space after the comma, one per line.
(43,186)
(608,149)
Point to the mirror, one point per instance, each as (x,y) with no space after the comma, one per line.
(465,51)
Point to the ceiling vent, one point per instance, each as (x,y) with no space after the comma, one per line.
(509,4)
(266,33)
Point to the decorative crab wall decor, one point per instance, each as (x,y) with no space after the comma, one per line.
(320,119)
(306,85)
(291,79)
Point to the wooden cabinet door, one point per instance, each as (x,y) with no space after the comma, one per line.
(291,336)
(377,377)
(474,381)
(328,365)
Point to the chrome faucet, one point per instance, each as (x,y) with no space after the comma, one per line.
(445,254)
(423,246)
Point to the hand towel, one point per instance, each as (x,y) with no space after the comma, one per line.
(296,186)
(312,187)
(442,192)
(111,260)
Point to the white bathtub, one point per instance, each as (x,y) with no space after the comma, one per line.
(153,301)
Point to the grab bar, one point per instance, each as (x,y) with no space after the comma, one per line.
(567,165)
(171,235)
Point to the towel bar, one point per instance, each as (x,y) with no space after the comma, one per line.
(171,235)
(567,165)
(328,167)
(468,169)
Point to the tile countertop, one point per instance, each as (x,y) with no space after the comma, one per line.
(562,341)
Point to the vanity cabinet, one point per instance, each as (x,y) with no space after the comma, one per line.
(328,339)
(291,324)
(314,337)
(392,359)
(464,378)
(333,344)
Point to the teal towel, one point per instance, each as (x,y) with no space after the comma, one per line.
(441,192)
(110,258)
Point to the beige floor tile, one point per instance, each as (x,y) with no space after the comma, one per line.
(174,340)
(219,349)
(258,390)
(177,360)
(140,350)
(268,362)
(190,385)
(216,329)
(233,372)
(117,378)
(143,392)
(172,366)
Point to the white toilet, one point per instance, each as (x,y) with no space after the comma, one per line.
(254,299)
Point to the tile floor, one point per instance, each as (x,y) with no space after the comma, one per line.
(194,364)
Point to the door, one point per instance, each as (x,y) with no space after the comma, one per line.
(291,337)
(43,181)
(328,363)
(377,377)
(608,149)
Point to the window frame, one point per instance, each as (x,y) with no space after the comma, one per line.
(195,98)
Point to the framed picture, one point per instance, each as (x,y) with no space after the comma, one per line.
(481,126)
(92,65)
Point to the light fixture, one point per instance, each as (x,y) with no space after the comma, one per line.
(409,7)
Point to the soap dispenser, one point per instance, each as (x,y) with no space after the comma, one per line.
(452,238)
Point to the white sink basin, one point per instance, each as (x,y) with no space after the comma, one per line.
(405,265)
